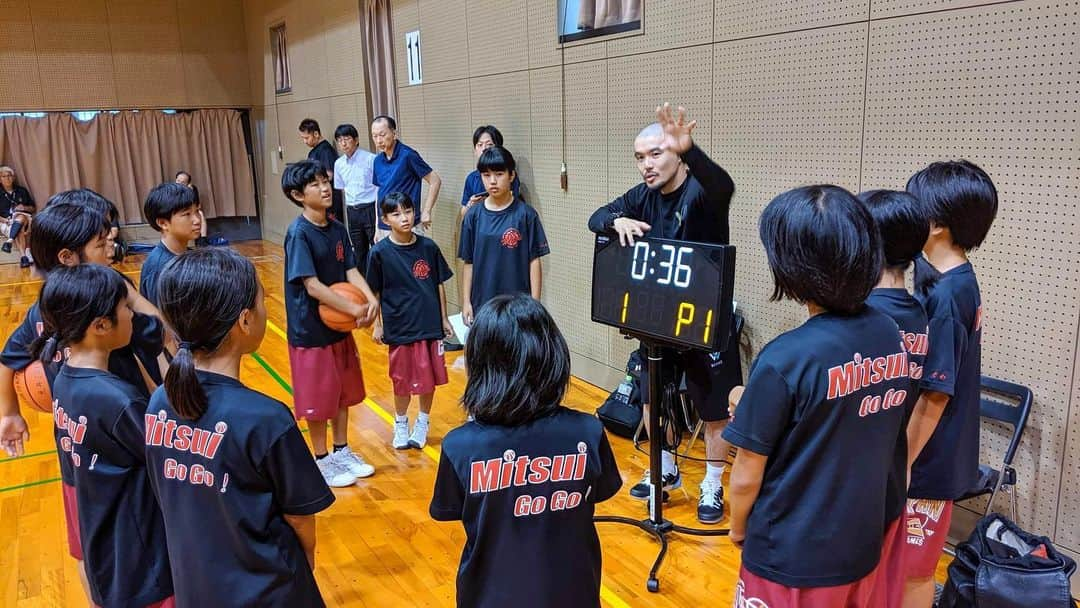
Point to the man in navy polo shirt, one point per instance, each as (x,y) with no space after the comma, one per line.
(399,168)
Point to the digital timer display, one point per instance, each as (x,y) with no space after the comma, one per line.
(671,291)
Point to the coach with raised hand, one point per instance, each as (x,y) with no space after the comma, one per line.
(684,195)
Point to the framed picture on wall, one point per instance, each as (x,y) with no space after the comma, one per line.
(582,19)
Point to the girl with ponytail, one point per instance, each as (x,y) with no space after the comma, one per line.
(236,482)
(99,427)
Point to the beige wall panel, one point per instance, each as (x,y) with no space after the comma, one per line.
(544,38)
(74,56)
(447,148)
(668,24)
(790,113)
(307,52)
(995,85)
(145,40)
(215,53)
(444,38)
(565,214)
(350,109)
(636,85)
(411,121)
(503,101)
(743,18)
(498,34)
(344,47)
(19,67)
(406,18)
(276,212)
(893,8)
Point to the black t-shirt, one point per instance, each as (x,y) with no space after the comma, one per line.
(900,306)
(325,154)
(407,279)
(824,403)
(696,211)
(225,483)
(99,420)
(949,464)
(19,196)
(500,245)
(526,497)
(151,269)
(145,338)
(313,251)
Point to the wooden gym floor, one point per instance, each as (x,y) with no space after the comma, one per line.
(377,547)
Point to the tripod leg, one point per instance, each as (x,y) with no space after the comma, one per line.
(653,584)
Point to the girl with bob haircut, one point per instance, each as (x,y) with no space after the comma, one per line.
(86,311)
(256,490)
(525,473)
(816,427)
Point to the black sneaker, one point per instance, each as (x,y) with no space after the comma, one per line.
(452,345)
(672,481)
(24,262)
(6,247)
(710,507)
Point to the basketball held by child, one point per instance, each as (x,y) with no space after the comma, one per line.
(334,318)
(32,387)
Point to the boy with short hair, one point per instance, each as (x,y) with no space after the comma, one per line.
(326,374)
(407,272)
(960,201)
(172,210)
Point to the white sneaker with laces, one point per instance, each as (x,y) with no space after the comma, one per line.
(335,475)
(401,435)
(353,463)
(418,439)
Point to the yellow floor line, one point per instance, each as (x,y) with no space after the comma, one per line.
(606,594)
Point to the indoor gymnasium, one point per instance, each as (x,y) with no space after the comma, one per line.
(523,303)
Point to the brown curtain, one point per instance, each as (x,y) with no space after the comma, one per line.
(378,39)
(282,79)
(124,155)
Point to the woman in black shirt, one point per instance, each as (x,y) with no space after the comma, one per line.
(16,208)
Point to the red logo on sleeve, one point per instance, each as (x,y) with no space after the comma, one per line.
(511,238)
(421,270)
(340,252)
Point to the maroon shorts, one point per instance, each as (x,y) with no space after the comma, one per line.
(71,517)
(926,526)
(417,368)
(889,586)
(752,591)
(326,379)
(169,602)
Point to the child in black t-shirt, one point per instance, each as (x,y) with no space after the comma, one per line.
(172,210)
(325,366)
(818,422)
(904,228)
(523,476)
(236,483)
(99,428)
(407,271)
(502,239)
(960,201)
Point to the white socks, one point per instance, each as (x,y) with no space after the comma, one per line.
(667,463)
(714,472)
(423,418)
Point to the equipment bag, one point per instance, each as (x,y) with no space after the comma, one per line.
(621,411)
(1002,566)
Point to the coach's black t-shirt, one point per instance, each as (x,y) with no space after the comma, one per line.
(313,251)
(145,338)
(526,497)
(225,483)
(500,245)
(824,403)
(151,269)
(949,464)
(407,279)
(900,306)
(99,420)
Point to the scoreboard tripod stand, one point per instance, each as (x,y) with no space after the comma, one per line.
(666,293)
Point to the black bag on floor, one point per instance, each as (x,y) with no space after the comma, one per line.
(621,411)
(1002,566)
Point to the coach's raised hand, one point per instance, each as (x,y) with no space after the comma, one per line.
(676,129)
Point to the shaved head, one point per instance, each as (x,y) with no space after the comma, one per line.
(653,130)
(660,168)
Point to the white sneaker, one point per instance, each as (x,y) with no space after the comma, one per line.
(418,439)
(352,463)
(401,435)
(335,475)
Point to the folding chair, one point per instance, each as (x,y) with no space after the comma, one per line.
(992,480)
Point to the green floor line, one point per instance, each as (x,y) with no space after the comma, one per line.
(30,484)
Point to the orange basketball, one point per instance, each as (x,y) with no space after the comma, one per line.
(32,387)
(335,319)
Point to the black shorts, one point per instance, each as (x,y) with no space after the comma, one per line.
(709,378)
